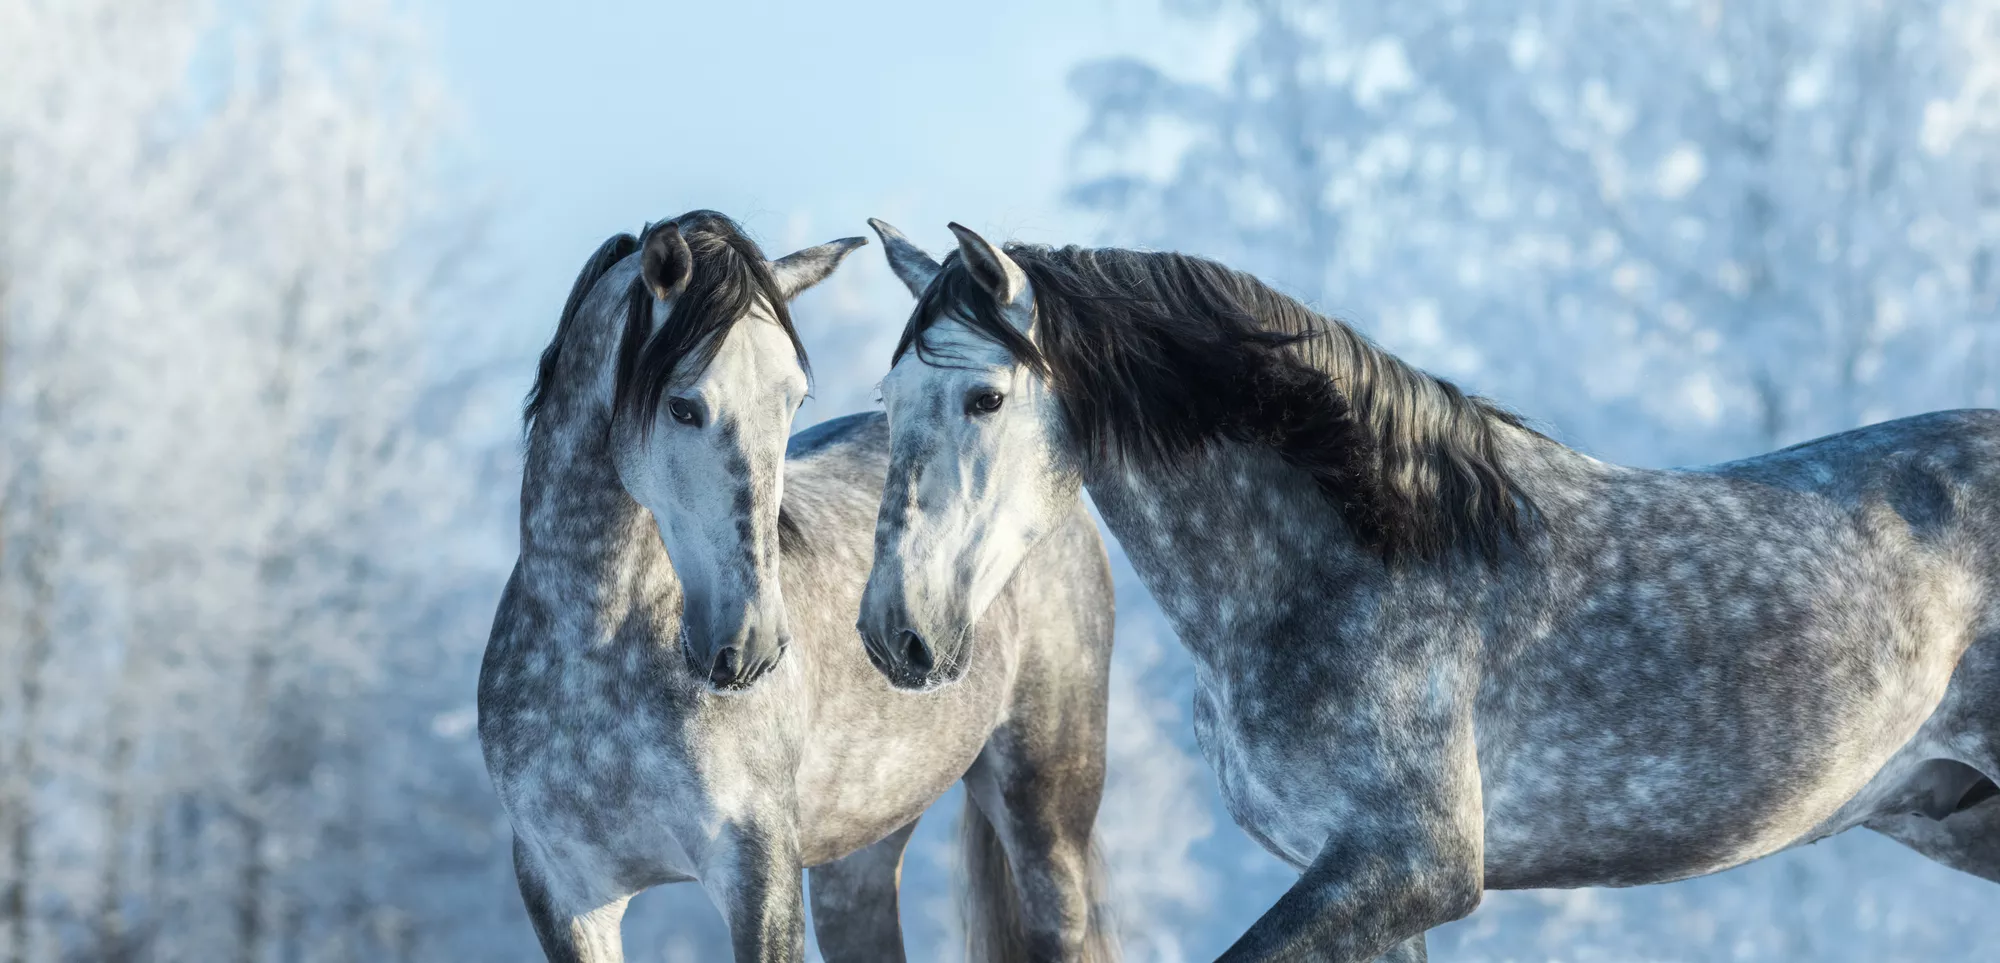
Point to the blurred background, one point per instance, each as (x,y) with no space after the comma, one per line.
(273,276)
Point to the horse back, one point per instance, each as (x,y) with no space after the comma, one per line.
(1927,485)
(1722,657)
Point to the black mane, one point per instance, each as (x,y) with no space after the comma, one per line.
(730,277)
(614,249)
(1154,356)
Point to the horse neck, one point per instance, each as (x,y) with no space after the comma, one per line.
(1233,540)
(587,547)
(1217,536)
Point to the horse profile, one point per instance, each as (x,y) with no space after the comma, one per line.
(672,690)
(1436,651)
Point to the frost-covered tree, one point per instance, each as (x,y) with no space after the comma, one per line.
(220,515)
(1736,224)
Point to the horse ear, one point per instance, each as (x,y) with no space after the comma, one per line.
(665,263)
(800,270)
(990,266)
(912,266)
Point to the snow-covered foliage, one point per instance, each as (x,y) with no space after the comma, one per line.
(1676,230)
(220,517)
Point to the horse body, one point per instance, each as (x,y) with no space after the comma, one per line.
(621,765)
(1759,650)
(1437,652)
(1821,596)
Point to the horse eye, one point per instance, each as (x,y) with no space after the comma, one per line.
(683,411)
(986,402)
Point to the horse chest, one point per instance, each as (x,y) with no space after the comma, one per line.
(608,796)
(620,776)
(1269,793)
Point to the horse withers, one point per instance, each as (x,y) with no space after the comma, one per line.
(673,690)
(1437,652)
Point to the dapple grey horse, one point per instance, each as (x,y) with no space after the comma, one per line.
(672,690)
(1437,652)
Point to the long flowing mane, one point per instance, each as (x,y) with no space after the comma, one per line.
(1154,356)
(615,248)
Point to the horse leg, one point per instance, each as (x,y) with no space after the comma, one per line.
(1967,840)
(1409,951)
(569,933)
(1962,830)
(1034,877)
(1366,889)
(1403,850)
(753,876)
(854,907)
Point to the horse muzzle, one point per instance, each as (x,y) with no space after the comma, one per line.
(905,658)
(738,661)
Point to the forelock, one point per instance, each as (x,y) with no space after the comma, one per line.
(730,280)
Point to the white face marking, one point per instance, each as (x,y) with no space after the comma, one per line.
(712,474)
(970,491)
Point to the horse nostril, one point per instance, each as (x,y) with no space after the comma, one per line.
(727,662)
(873,650)
(916,652)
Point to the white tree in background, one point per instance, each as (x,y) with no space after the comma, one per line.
(216,515)
(1675,232)
(1737,224)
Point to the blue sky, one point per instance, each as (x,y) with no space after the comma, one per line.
(800,119)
